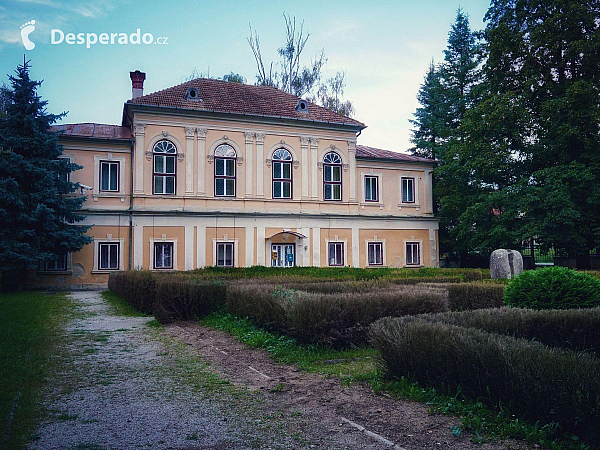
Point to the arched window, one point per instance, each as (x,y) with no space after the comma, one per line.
(282,174)
(225,158)
(164,167)
(332,176)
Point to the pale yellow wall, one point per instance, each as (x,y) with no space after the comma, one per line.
(170,233)
(226,234)
(330,234)
(395,245)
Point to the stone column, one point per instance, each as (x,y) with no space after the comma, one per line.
(201,246)
(306,167)
(140,131)
(201,137)
(260,246)
(314,193)
(189,161)
(355,247)
(189,247)
(138,246)
(316,244)
(250,245)
(249,167)
(260,162)
(352,156)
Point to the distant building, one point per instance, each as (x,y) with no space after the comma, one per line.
(211,173)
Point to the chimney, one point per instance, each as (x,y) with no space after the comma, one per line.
(137,83)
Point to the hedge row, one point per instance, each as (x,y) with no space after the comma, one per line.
(469,296)
(539,382)
(337,319)
(574,329)
(168,298)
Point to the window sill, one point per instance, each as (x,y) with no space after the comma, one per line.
(376,266)
(96,196)
(163,270)
(105,270)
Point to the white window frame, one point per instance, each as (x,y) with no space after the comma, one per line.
(118,175)
(344,243)
(107,240)
(225,245)
(416,176)
(413,241)
(383,252)
(96,192)
(166,241)
(226,240)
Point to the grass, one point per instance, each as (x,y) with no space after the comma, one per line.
(119,306)
(30,325)
(361,365)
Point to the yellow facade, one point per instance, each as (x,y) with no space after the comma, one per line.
(192,224)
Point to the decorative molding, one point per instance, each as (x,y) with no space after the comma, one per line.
(189,132)
(240,160)
(269,162)
(345,167)
(260,137)
(165,133)
(296,164)
(149,155)
(225,137)
(320,165)
(201,133)
(140,129)
(180,157)
(210,158)
(249,136)
(303,140)
(314,141)
(282,142)
(352,146)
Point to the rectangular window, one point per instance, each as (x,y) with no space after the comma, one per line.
(224,177)
(108,256)
(413,255)
(375,251)
(408,190)
(163,255)
(371,191)
(57,265)
(164,174)
(282,180)
(332,182)
(336,253)
(109,176)
(225,254)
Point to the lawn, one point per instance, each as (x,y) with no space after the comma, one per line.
(30,324)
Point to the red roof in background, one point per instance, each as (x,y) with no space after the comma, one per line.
(362,151)
(94,130)
(228,97)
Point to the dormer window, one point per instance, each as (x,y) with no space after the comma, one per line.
(192,94)
(302,106)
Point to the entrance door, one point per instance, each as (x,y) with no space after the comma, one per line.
(282,255)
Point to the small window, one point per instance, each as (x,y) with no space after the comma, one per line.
(413,254)
(64,172)
(225,254)
(109,176)
(163,255)
(165,166)
(225,159)
(375,252)
(332,176)
(57,265)
(336,253)
(282,174)
(371,189)
(408,190)
(108,256)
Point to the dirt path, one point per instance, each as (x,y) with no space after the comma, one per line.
(340,416)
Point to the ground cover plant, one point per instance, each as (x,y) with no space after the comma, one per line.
(553,288)
(572,329)
(29,326)
(553,385)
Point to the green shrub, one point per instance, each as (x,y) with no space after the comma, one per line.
(337,319)
(181,300)
(553,288)
(574,329)
(137,287)
(536,381)
(468,296)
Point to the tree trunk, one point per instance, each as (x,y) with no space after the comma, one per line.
(582,260)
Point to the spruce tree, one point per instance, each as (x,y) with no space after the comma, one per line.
(38,206)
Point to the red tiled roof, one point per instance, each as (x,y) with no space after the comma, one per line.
(94,130)
(362,151)
(223,96)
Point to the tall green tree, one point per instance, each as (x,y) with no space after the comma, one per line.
(38,211)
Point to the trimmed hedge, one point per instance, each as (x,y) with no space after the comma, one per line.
(574,329)
(553,288)
(539,382)
(469,296)
(167,297)
(338,319)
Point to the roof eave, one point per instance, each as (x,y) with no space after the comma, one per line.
(373,158)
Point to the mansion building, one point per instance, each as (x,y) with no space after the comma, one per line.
(214,173)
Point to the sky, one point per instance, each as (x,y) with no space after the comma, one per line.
(385,48)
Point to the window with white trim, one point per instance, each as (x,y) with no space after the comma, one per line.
(408,190)
(163,255)
(109,176)
(108,255)
(225,254)
(60,264)
(336,254)
(371,189)
(282,173)
(375,252)
(225,159)
(332,176)
(413,254)
(164,167)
